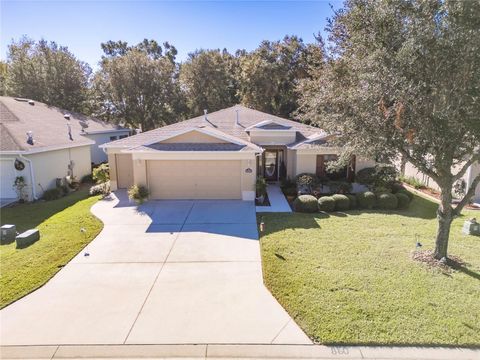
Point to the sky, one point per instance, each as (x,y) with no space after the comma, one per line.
(188,25)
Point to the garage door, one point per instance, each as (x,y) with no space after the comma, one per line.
(202,179)
(7,173)
(124,170)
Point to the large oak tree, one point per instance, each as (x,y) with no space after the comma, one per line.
(137,85)
(402,78)
(46,72)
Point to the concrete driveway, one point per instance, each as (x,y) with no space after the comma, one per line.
(168,272)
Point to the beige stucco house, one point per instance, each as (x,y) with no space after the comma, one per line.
(219,155)
(42,143)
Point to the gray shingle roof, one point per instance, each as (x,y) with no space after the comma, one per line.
(223,121)
(47,124)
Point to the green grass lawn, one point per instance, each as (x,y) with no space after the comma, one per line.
(348,278)
(59,222)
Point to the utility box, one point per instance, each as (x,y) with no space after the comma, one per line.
(471,227)
(28,237)
(7,233)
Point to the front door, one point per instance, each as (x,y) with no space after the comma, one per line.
(271,165)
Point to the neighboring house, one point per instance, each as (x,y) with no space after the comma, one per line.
(219,155)
(42,143)
(409,170)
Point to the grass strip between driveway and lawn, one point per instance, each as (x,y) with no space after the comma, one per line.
(349,278)
(59,222)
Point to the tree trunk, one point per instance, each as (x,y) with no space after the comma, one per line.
(445,217)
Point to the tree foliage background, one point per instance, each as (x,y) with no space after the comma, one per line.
(143,86)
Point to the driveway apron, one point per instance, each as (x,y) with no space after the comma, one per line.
(166,272)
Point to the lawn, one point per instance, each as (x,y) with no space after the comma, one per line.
(348,278)
(59,222)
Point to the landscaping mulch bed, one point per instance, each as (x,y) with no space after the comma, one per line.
(448,265)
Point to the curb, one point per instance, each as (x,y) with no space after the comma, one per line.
(218,352)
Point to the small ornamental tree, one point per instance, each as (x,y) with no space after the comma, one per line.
(402,79)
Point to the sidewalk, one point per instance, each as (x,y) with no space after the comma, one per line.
(198,352)
(278,203)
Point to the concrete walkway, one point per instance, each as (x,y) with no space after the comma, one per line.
(278,202)
(168,272)
(202,351)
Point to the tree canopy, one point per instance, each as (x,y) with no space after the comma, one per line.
(207,81)
(402,78)
(46,72)
(137,85)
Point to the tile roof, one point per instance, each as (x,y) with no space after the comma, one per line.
(47,124)
(222,121)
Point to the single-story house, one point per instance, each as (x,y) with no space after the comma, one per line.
(42,143)
(219,155)
(409,170)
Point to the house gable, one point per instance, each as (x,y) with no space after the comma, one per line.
(195,136)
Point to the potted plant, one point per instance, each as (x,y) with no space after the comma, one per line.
(261,189)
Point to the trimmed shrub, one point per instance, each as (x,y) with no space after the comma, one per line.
(342,202)
(138,193)
(366,200)
(403,200)
(101,173)
(100,189)
(339,187)
(387,201)
(53,194)
(382,175)
(406,192)
(305,203)
(353,200)
(326,203)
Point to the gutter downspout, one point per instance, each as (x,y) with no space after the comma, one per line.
(32,176)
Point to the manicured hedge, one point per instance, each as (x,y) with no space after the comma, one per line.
(305,203)
(353,200)
(326,203)
(342,202)
(403,200)
(366,200)
(387,201)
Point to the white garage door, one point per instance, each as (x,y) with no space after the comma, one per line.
(199,179)
(7,173)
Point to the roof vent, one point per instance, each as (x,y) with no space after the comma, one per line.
(30,137)
(205,114)
(66,116)
(69,132)
(237,123)
(31,102)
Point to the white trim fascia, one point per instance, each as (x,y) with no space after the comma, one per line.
(133,151)
(257,131)
(46,149)
(266,122)
(185,155)
(319,151)
(104,132)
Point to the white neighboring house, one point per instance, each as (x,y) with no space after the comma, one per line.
(467,179)
(42,143)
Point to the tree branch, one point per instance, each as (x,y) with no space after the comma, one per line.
(463,170)
(468,195)
(421,167)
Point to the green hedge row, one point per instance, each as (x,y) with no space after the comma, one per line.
(363,200)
